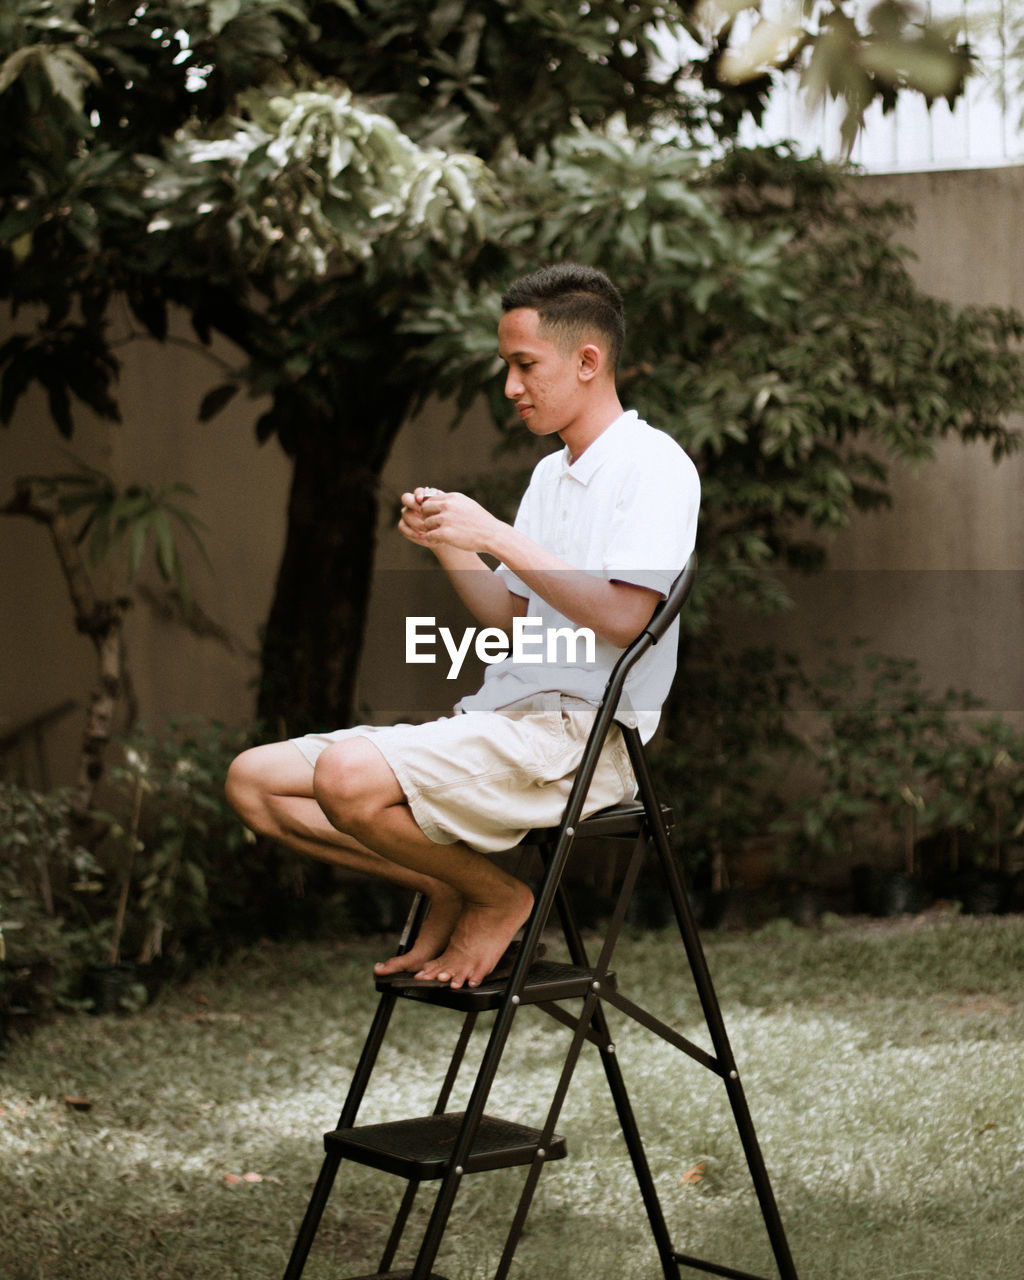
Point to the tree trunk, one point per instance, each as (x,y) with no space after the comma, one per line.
(105,628)
(338,421)
(314,633)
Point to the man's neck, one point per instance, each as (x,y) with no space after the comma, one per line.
(578,437)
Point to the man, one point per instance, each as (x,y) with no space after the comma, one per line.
(604,527)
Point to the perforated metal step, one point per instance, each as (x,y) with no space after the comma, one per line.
(421,1148)
(395,1275)
(546,980)
(623,820)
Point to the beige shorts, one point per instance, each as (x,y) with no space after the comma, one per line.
(489,777)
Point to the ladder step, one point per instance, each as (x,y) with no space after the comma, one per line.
(395,1275)
(419,1149)
(618,820)
(545,980)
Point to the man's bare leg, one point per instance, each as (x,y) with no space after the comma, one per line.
(271,790)
(360,795)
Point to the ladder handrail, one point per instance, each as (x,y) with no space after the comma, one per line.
(654,630)
(664,615)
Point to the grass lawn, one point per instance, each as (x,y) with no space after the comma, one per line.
(883,1065)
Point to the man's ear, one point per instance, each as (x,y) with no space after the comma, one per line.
(591,361)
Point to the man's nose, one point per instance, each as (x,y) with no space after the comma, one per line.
(513,384)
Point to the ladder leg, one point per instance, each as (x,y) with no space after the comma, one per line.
(590,1005)
(635,1146)
(519,1221)
(402,1217)
(613,1069)
(712,1014)
(311,1221)
(398,1227)
(486,1073)
(360,1080)
(332,1161)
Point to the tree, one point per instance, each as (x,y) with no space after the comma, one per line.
(775,331)
(160,153)
(856,59)
(315,179)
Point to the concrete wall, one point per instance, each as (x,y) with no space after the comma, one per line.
(240,491)
(941,576)
(241,496)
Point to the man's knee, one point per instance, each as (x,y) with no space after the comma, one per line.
(241,786)
(336,785)
(351,783)
(258,775)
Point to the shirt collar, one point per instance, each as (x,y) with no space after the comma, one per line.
(587,464)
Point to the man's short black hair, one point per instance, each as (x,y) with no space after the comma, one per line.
(573,301)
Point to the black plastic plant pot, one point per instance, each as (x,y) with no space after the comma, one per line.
(109,987)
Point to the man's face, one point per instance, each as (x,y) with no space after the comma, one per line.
(542,378)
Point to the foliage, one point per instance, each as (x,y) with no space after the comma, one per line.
(185,871)
(855,58)
(775,332)
(727,752)
(892,756)
(133,518)
(224,173)
(48,886)
(176,875)
(860,764)
(298,175)
(86,506)
(311,184)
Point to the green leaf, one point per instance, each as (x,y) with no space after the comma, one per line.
(69,74)
(215,400)
(137,533)
(166,552)
(14,65)
(60,407)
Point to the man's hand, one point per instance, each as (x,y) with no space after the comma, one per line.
(450,524)
(411,523)
(457,530)
(436,519)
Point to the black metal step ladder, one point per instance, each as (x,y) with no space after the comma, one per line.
(447,1145)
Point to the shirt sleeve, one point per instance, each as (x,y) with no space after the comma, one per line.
(511,580)
(653,529)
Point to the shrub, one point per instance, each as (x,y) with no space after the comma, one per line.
(726,753)
(184,869)
(48,888)
(900,766)
(862,763)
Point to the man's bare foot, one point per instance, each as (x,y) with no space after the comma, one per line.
(480,937)
(445,908)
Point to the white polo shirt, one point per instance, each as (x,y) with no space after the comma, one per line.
(625,510)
